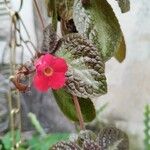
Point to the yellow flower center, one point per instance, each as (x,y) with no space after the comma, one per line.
(48,71)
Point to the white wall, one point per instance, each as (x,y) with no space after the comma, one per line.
(27,17)
(129,82)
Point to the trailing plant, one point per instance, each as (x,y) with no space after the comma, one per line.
(147,127)
(84,53)
(73,65)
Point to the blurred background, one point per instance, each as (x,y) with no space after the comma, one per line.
(128,82)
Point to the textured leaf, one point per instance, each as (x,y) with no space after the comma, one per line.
(85,76)
(65,146)
(111,137)
(120,54)
(66,104)
(90,145)
(99,24)
(124,5)
(50,40)
(85,135)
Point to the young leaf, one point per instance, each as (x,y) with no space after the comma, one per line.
(120,54)
(66,104)
(99,24)
(36,124)
(124,5)
(85,76)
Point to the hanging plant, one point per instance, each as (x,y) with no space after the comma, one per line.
(73,66)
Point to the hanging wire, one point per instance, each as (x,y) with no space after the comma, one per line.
(39,14)
(16,41)
(11,10)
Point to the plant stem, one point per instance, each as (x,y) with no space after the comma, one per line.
(11,118)
(53,12)
(79,114)
(39,13)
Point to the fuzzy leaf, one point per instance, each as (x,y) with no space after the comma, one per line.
(111,137)
(99,24)
(85,76)
(124,5)
(120,54)
(90,145)
(85,135)
(50,40)
(65,146)
(66,104)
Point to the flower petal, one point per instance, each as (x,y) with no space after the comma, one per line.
(48,59)
(43,62)
(41,83)
(57,80)
(60,65)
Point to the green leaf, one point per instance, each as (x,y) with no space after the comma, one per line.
(85,76)
(36,124)
(66,104)
(99,24)
(7,139)
(120,54)
(124,5)
(39,143)
(147,127)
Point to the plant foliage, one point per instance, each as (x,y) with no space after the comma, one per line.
(147,127)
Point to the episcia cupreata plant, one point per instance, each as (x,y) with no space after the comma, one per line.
(73,65)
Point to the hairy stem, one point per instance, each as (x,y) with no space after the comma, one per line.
(54,13)
(79,114)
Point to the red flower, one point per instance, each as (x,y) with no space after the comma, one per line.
(50,72)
